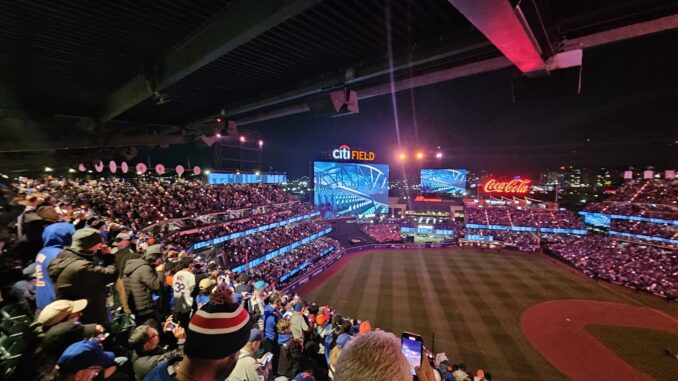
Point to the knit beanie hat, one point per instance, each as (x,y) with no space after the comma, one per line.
(218,329)
(84,239)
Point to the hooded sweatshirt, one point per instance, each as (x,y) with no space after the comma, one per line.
(55,237)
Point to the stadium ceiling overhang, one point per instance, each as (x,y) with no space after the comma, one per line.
(154,74)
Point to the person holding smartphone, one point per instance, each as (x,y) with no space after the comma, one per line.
(249,367)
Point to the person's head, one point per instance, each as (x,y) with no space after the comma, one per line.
(82,361)
(274,301)
(186,264)
(365,327)
(62,310)
(122,240)
(86,241)
(254,342)
(375,356)
(48,213)
(153,254)
(216,333)
(144,338)
(206,285)
(283,326)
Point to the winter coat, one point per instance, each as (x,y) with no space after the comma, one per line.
(55,237)
(144,362)
(141,280)
(271,317)
(247,368)
(77,276)
(289,360)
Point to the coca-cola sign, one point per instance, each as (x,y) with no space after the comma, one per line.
(515,186)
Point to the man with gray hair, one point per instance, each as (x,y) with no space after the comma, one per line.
(375,356)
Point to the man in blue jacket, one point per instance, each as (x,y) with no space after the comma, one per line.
(271,317)
(55,237)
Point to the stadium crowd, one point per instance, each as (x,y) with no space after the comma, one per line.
(529,217)
(523,241)
(236,252)
(189,237)
(635,265)
(645,228)
(382,232)
(102,299)
(661,192)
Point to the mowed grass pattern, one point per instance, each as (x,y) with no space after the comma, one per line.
(471,300)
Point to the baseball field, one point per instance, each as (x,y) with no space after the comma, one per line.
(519,316)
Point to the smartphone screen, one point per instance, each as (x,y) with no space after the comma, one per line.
(412,348)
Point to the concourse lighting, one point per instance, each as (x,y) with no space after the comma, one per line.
(420,155)
(261,143)
(439,155)
(207,172)
(218,135)
(48,169)
(402,156)
(257,173)
(71,170)
(242,139)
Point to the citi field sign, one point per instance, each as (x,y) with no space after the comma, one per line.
(345,152)
(515,186)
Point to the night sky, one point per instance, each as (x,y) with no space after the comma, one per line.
(626,115)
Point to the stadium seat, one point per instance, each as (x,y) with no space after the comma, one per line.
(15,325)
(11,346)
(13,310)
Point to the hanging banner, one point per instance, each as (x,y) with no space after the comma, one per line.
(179,169)
(141,168)
(112,166)
(159,169)
(647,175)
(81,167)
(124,167)
(628,175)
(196,170)
(99,166)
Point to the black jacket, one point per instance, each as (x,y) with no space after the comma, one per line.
(121,258)
(141,280)
(77,276)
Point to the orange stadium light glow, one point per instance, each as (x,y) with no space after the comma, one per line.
(402,156)
(420,155)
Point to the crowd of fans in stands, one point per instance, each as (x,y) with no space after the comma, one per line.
(645,228)
(236,252)
(529,217)
(634,265)
(523,241)
(382,232)
(187,238)
(645,198)
(96,281)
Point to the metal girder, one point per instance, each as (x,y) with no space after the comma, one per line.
(360,74)
(622,33)
(500,23)
(293,102)
(8,146)
(241,22)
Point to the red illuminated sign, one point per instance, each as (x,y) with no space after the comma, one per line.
(516,186)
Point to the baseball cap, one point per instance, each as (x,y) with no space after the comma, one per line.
(58,310)
(124,236)
(256,335)
(304,376)
(205,283)
(260,284)
(84,354)
(343,339)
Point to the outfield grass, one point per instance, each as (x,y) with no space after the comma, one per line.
(471,300)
